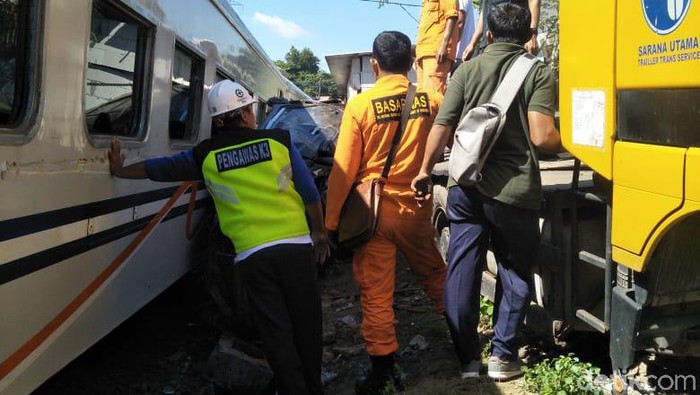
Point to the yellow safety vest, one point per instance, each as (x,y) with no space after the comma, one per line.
(251,184)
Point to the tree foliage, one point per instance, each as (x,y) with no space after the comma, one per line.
(316,84)
(302,69)
(303,61)
(549,38)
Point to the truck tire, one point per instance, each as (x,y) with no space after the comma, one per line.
(440,221)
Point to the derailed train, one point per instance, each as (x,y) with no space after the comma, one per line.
(81,251)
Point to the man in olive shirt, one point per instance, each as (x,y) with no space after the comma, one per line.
(501,211)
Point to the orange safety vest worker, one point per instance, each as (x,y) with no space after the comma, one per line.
(435,19)
(366,133)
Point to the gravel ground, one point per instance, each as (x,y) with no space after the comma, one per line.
(164,348)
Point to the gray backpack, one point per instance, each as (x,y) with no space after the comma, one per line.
(478,131)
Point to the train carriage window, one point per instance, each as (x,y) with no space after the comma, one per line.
(220,77)
(117,50)
(18,78)
(185,96)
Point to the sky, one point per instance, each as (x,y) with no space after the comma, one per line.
(326,27)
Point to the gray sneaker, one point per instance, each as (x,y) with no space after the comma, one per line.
(471,370)
(500,369)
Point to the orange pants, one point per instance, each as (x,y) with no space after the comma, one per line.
(432,75)
(374,267)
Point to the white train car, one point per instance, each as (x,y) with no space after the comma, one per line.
(81,251)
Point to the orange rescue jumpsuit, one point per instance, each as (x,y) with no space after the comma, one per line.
(366,132)
(433,23)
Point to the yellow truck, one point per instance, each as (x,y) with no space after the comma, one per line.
(630,110)
(620,251)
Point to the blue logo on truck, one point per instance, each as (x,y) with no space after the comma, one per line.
(664,16)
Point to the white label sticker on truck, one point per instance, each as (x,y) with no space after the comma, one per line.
(588,107)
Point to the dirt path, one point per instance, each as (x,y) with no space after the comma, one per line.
(432,370)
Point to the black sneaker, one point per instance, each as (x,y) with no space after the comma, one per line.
(471,370)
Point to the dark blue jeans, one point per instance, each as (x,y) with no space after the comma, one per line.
(513,234)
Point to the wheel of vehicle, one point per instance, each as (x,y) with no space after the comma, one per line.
(619,384)
(440,221)
(444,242)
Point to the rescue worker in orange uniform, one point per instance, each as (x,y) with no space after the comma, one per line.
(366,134)
(436,45)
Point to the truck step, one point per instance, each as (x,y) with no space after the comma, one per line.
(595,322)
(591,197)
(595,260)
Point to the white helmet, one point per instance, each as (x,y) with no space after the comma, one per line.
(226,96)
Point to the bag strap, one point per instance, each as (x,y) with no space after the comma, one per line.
(399,129)
(509,87)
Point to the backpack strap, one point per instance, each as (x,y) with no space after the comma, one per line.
(509,87)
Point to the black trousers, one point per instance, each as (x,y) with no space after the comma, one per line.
(282,285)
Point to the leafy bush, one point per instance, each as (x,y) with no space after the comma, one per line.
(485,312)
(562,376)
(485,324)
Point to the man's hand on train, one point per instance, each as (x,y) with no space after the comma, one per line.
(116,158)
(116,164)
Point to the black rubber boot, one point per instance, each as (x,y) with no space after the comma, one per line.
(380,378)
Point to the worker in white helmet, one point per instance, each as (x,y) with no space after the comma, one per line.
(268,205)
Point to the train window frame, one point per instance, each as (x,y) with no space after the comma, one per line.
(221,75)
(261,108)
(22,127)
(142,76)
(193,125)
